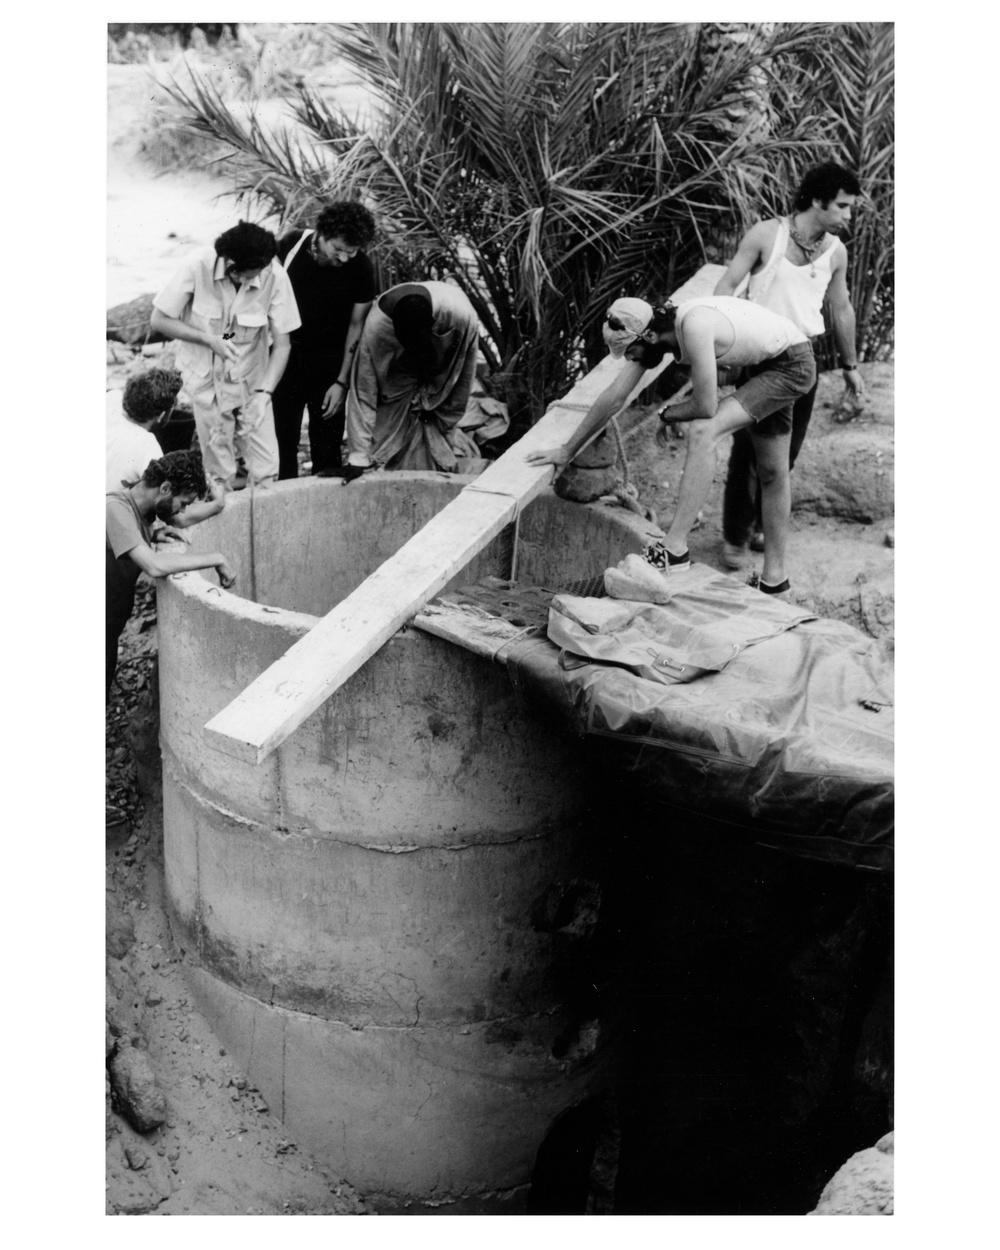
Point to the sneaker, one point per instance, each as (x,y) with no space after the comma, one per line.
(660,558)
(757,542)
(734,556)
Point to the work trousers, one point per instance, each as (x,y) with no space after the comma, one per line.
(304,384)
(224,435)
(741,496)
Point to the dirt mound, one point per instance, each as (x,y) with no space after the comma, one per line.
(847,464)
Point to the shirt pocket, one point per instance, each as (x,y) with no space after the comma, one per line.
(249,325)
(206,314)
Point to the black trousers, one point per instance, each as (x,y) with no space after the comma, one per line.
(306,380)
(741,496)
(114,624)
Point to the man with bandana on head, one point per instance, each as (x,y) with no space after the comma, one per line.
(411,381)
(710,334)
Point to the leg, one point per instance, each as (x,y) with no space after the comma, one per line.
(216,434)
(738,493)
(259,448)
(801,413)
(111,636)
(776,501)
(325,433)
(704,438)
(287,403)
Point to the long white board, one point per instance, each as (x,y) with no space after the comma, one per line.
(279,700)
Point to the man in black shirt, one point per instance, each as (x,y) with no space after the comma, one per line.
(334,285)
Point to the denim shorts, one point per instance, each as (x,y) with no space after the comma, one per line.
(772,387)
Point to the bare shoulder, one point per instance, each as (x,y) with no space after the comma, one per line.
(838,258)
(759,239)
(702,322)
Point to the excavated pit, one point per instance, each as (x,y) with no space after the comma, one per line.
(360,912)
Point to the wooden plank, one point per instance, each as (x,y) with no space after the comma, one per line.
(279,700)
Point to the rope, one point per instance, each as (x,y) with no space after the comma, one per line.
(616,430)
(627,496)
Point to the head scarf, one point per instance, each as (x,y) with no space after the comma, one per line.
(634,316)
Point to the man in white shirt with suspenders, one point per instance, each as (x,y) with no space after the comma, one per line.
(791,265)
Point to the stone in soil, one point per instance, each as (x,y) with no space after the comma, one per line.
(863,1186)
(136,1091)
(119,931)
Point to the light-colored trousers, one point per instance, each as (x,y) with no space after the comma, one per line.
(223,435)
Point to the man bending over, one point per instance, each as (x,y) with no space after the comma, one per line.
(166,488)
(707,334)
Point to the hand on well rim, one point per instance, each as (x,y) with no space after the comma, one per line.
(557,456)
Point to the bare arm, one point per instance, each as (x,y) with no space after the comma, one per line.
(175,328)
(749,253)
(281,349)
(162,563)
(699,342)
(256,410)
(203,509)
(604,407)
(337,394)
(844,321)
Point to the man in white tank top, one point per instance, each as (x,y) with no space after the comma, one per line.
(790,265)
(779,367)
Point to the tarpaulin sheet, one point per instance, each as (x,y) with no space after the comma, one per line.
(792,737)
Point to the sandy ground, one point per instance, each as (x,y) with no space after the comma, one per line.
(220,1150)
(153,220)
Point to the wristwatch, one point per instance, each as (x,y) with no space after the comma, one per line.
(846,368)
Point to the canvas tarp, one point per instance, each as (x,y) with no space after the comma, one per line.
(732,704)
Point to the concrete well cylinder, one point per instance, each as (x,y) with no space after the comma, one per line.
(359,912)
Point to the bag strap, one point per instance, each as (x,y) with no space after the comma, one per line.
(294,251)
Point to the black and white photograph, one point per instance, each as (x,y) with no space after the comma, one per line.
(500,619)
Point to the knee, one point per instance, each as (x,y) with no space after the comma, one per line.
(703,434)
(771,474)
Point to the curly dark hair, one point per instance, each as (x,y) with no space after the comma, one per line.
(646,354)
(247,246)
(149,394)
(182,469)
(823,182)
(347,220)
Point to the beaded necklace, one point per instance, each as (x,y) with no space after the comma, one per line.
(809,250)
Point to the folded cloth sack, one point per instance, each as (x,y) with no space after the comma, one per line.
(635,578)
